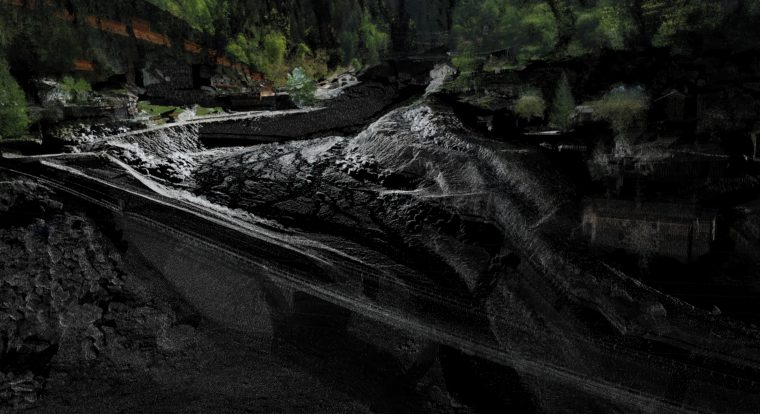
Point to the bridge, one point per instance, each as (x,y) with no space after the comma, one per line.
(280,261)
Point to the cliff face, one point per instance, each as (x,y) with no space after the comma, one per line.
(137,42)
(99,40)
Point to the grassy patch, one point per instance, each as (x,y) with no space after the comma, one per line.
(158,110)
(203,111)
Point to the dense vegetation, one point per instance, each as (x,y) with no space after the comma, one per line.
(530,105)
(204,15)
(14,120)
(513,32)
(42,46)
(275,37)
(495,33)
(274,42)
(623,107)
(263,51)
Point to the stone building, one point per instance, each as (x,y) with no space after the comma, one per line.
(680,231)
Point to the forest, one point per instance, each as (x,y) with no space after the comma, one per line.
(503,33)
(265,37)
(483,35)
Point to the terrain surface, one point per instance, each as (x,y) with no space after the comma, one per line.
(418,215)
(456,206)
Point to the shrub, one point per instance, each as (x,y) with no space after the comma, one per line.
(313,63)
(464,82)
(14,118)
(301,87)
(78,89)
(530,105)
(357,64)
(465,61)
(157,110)
(275,45)
(239,47)
(624,108)
(563,105)
(302,51)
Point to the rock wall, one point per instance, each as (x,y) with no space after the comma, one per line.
(106,39)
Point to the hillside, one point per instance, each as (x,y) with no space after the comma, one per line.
(381,206)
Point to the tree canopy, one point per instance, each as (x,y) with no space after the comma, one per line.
(14,119)
(273,41)
(205,15)
(527,29)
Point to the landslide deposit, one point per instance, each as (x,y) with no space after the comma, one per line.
(490,224)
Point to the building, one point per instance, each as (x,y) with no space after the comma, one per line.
(680,231)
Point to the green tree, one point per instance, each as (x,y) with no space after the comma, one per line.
(565,18)
(625,108)
(264,51)
(14,119)
(528,29)
(563,105)
(530,105)
(599,27)
(204,15)
(275,45)
(465,60)
(301,87)
(374,40)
